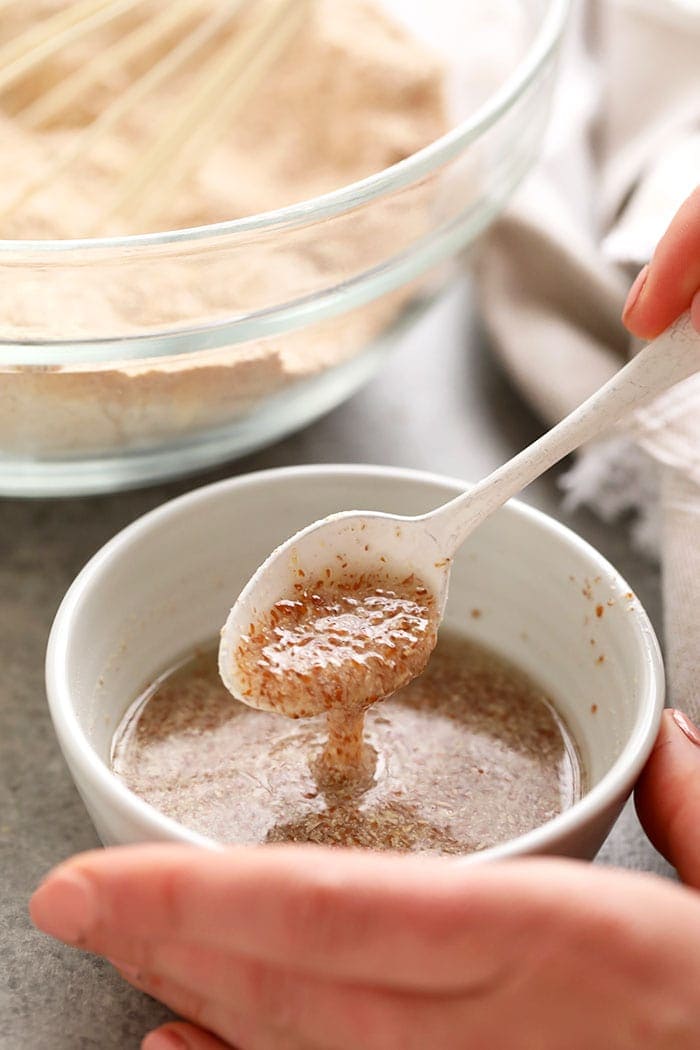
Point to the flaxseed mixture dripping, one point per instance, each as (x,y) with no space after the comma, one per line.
(337,647)
(468,754)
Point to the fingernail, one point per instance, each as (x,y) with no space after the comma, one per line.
(166,1039)
(65,906)
(634,293)
(687,727)
(124,968)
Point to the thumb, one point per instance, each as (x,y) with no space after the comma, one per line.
(667,795)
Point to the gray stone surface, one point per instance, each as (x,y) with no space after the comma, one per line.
(440,404)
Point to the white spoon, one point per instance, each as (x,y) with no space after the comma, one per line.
(426,545)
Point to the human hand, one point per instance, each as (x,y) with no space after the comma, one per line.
(670,284)
(667,796)
(299,948)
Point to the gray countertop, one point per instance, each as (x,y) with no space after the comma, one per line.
(439,404)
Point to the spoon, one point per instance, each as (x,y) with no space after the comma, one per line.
(426,545)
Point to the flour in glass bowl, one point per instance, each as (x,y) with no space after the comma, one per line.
(355,92)
(352,94)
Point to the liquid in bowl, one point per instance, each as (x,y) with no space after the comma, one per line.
(470,754)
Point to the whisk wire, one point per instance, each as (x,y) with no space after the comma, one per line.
(240,66)
(169,64)
(232,73)
(127,48)
(19,56)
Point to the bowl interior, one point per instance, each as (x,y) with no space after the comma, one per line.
(522,584)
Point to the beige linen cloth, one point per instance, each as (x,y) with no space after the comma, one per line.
(553,272)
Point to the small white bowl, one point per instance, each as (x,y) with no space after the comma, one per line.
(546,600)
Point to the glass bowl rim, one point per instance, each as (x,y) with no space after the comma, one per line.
(354,194)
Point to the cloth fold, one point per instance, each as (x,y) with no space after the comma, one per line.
(622,153)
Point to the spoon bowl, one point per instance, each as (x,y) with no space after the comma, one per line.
(366,541)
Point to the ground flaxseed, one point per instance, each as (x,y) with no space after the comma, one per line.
(337,646)
(467,755)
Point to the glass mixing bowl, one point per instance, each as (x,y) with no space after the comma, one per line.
(195,368)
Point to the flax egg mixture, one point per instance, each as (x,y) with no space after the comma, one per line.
(466,755)
(337,646)
(341,642)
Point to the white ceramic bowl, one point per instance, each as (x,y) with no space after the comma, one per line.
(164,585)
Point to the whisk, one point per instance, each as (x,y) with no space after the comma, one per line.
(230,73)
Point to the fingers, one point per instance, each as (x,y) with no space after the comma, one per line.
(598,979)
(668,285)
(668,796)
(321,1013)
(399,921)
(549,940)
(182,1036)
(180,998)
(210,1020)
(255,1007)
(325,911)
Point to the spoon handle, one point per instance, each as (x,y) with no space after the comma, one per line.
(673,356)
